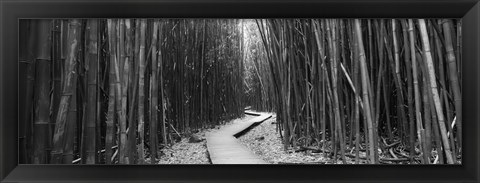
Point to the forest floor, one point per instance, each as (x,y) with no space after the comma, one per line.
(185,152)
(265,142)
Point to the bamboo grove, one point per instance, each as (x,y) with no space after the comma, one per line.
(376,91)
(106,91)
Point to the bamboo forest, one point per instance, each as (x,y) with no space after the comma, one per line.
(240,91)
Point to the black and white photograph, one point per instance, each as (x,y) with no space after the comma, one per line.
(286,91)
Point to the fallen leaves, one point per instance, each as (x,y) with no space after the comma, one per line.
(192,152)
(265,142)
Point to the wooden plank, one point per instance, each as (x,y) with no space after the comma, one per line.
(224,148)
(252,113)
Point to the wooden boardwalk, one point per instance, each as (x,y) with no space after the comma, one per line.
(224,148)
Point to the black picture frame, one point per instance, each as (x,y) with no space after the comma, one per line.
(12,10)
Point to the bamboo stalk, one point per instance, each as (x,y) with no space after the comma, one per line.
(141,95)
(110,122)
(454,81)
(438,107)
(154,93)
(121,76)
(91,116)
(418,114)
(67,90)
(366,100)
(41,97)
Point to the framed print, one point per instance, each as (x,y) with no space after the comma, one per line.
(239,91)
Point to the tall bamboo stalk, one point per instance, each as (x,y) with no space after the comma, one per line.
(121,92)
(141,93)
(91,113)
(436,98)
(418,114)
(110,122)
(154,94)
(42,102)
(452,65)
(73,40)
(132,135)
(366,99)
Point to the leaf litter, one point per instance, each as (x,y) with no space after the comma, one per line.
(184,152)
